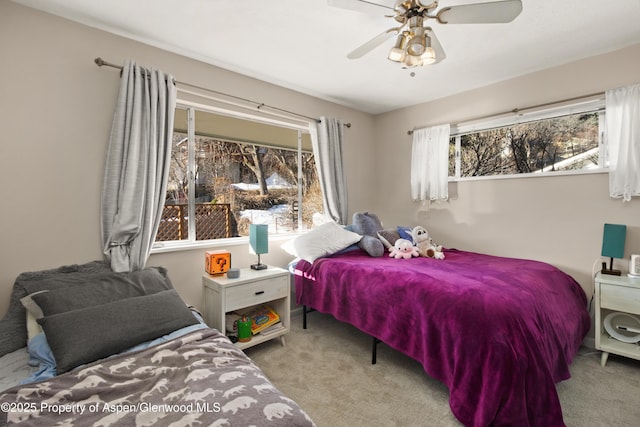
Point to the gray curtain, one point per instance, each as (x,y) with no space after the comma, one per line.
(137,167)
(327,139)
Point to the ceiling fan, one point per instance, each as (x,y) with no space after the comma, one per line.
(416,43)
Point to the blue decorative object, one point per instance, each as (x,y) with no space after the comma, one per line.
(259,241)
(613,240)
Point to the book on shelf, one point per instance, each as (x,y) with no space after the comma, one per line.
(272,329)
(262,316)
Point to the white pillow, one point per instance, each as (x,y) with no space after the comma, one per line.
(322,241)
(33,312)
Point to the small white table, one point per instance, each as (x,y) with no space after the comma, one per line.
(615,294)
(223,295)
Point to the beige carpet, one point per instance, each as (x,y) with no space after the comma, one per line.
(327,370)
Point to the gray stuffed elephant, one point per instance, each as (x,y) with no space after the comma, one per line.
(368,224)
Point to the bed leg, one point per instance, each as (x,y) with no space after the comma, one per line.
(374,350)
(304,317)
(305,310)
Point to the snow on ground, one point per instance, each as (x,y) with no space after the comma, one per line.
(274,182)
(278,218)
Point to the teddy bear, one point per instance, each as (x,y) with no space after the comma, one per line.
(403,248)
(424,243)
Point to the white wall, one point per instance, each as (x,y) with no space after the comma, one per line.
(56,107)
(554,219)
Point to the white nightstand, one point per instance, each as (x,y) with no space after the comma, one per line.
(615,294)
(222,295)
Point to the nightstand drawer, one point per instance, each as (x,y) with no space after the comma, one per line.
(258,292)
(620,298)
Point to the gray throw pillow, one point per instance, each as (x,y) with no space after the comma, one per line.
(13,326)
(76,297)
(81,336)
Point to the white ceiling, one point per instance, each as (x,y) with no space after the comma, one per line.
(302,44)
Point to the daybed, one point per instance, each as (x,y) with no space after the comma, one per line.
(124,349)
(498,332)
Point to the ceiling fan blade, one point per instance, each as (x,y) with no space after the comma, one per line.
(360,51)
(435,44)
(497,12)
(360,5)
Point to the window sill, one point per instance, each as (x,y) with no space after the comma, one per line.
(215,244)
(529,175)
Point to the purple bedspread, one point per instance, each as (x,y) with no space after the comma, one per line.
(499,332)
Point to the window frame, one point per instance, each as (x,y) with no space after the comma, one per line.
(594,104)
(191,243)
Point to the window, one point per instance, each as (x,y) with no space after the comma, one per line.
(228,172)
(561,139)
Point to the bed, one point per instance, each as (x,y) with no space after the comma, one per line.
(93,347)
(498,332)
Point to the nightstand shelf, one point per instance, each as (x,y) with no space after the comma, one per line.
(615,294)
(222,295)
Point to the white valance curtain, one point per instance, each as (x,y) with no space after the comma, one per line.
(327,140)
(623,139)
(430,164)
(137,167)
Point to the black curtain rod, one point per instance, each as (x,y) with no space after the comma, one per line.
(519,110)
(101,62)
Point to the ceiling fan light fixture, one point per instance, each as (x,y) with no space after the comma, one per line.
(396,55)
(412,61)
(418,41)
(429,55)
(397,52)
(417,45)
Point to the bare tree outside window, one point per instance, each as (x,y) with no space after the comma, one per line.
(558,144)
(236,183)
